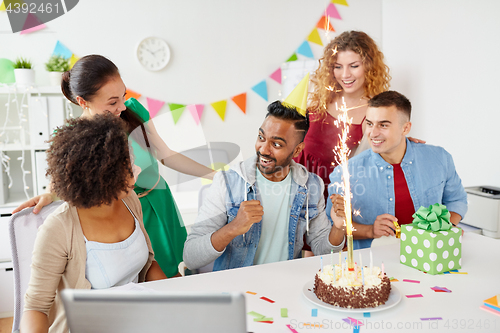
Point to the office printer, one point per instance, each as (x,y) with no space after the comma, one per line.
(484,209)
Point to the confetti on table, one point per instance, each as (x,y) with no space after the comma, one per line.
(452,271)
(412,281)
(267,322)
(485,308)
(392,279)
(267,299)
(366,314)
(433,318)
(414,296)
(251,293)
(291,329)
(255,314)
(352,321)
(356,322)
(284,313)
(459,273)
(263,319)
(314,312)
(441,289)
(355,329)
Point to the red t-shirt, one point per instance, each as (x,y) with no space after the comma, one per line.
(404,204)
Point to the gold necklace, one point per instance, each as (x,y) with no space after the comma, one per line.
(357,106)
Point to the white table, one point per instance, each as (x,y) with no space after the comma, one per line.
(283,282)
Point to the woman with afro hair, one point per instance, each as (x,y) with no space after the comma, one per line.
(96,238)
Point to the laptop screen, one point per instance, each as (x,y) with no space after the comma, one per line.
(131,311)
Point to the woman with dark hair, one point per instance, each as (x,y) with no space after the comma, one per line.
(94,83)
(96,238)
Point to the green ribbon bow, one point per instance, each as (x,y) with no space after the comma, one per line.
(435,218)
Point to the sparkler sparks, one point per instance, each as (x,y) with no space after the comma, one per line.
(342,155)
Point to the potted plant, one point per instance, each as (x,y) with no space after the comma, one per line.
(56,65)
(23,72)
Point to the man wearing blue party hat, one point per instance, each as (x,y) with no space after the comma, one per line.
(258,211)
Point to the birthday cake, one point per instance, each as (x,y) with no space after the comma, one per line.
(337,286)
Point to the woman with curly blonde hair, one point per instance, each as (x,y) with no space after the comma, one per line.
(352,70)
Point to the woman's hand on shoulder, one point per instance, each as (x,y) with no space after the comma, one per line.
(416,140)
(39,202)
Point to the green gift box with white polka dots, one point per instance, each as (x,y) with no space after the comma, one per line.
(433,252)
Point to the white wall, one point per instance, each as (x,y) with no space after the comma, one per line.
(443,56)
(219,49)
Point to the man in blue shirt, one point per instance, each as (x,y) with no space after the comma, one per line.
(390,181)
(258,211)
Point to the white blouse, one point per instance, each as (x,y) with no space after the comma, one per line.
(116,264)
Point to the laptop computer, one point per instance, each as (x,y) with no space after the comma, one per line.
(132,311)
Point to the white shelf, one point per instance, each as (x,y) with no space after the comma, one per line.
(14,147)
(15,199)
(32,90)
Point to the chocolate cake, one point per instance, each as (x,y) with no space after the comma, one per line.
(357,289)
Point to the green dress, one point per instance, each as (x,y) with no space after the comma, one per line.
(162,219)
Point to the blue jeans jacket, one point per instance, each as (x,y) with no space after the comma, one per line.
(429,172)
(228,190)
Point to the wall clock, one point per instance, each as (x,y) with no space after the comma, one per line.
(153,53)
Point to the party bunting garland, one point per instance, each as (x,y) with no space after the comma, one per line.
(154,106)
(241,101)
(196,110)
(340,2)
(305,50)
(177,111)
(131,94)
(314,37)
(324,23)
(261,89)
(276,76)
(220,108)
(33,22)
(2,7)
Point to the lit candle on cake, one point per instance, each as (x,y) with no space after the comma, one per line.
(371,261)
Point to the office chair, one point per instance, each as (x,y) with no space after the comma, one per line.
(23,227)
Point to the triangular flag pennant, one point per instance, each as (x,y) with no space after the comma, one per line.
(62,50)
(298,96)
(331,11)
(292,58)
(32,24)
(276,76)
(314,37)
(177,111)
(241,101)
(495,300)
(340,2)
(154,106)
(220,108)
(324,23)
(2,7)
(131,94)
(305,50)
(196,111)
(73,60)
(261,89)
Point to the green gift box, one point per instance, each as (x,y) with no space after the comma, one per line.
(431,243)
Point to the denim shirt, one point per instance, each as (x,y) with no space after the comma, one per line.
(229,190)
(429,172)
